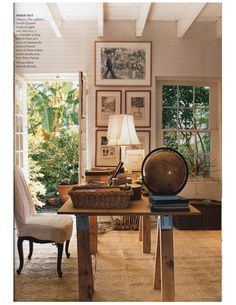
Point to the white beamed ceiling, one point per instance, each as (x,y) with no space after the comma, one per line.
(176,12)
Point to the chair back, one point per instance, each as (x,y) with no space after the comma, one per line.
(23,204)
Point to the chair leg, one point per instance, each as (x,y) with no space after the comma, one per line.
(59,257)
(21,254)
(30,249)
(67,248)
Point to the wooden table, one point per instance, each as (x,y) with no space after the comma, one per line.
(164,258)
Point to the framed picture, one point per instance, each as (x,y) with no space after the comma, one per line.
(138,103)
(122,63)
(145,140)
(107,102)
(107,156)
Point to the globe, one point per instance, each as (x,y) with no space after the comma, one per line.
(164,171)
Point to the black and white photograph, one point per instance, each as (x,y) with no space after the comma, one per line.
(105,155)
(138,104)
(108,102)
(123,63)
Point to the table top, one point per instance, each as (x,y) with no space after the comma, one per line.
(137,207)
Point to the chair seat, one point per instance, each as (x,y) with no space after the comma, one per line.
(47,227)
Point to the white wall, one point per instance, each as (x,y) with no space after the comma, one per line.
(196,56)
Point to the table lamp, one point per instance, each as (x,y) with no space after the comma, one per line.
(121,132)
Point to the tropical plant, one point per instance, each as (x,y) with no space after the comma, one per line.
(53,135)
(52,106)
(57,159)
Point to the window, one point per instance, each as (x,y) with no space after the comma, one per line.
(186,125)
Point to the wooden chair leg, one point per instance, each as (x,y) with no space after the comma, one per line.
(30,249)
(67,248)
(21,254)
(59,257)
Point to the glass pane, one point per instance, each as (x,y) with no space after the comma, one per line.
(21,141)
(170,139)
(203,165)
(185,119)
(186,142)
(21,123)
(203,142)
(186,96)
(21,160)
(202,95)
(17,158)
(17,137)
(169,118)
(191,163)
(202,117)
(169,95)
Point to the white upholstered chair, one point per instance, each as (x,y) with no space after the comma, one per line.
(35,227)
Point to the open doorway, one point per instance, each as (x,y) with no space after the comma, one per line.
(51,137)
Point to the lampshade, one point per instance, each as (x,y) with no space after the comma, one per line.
(121,130)
(134,159)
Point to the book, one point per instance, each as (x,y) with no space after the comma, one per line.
(169,209)
(167,199)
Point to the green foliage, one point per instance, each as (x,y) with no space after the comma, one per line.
(53,134)
(57,159)
(52,106)
(185,116)
(36,188)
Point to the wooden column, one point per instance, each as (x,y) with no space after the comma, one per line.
(93,231)
(157,270)
(146,234)
(167,259)
(86,287)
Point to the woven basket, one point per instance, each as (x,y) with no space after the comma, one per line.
(100,198)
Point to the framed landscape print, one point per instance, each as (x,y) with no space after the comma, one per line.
(145,140)
(122,63)
(138,103)
(107,156)
(108,102)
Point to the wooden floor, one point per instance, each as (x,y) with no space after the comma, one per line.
(123,273)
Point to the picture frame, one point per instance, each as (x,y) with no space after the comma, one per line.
(122,63)
(108,102)
(105,156)
(145,140)
(138,104)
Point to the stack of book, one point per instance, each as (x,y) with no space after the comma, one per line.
(168,203)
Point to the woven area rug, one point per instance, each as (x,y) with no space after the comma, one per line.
(122,272)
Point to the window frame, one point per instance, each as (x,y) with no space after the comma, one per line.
(214,120)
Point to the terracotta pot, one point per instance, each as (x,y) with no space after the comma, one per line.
(63,191)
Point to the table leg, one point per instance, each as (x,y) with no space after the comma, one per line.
(93,232)
(140,228)
(86,287)
(146,234)
(157,270)
(167,259)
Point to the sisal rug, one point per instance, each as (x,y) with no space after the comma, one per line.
(122,272)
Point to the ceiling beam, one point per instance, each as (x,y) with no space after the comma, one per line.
(144,9)
(191,12)
(100,19)
(219,28)
(54,18)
